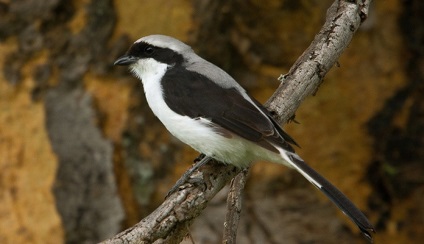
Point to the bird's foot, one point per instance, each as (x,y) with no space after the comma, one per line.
(185,178)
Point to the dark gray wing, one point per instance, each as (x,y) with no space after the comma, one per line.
(194,95)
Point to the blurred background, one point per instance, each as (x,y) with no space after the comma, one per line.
(82,157)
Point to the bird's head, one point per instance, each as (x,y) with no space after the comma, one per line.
(151,54)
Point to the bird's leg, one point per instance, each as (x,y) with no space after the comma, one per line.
(199,158)
(198,162)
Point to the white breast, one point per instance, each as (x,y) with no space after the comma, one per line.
(194,132)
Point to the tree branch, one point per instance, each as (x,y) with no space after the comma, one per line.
(169,222)
(234,206)
(304,77)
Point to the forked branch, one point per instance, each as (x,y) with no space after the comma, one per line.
(170,221)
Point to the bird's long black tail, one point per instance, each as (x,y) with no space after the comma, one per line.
(334,194)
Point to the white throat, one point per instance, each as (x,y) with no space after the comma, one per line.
(149,70)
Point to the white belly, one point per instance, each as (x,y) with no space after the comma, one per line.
(196,132)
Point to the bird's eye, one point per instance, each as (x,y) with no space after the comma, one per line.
(149,50)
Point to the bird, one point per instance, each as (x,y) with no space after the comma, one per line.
(207,109)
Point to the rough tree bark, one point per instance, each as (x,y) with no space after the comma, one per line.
(234,207)
(169,222)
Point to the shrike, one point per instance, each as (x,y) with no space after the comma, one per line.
(206,108)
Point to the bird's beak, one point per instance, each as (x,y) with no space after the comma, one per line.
(125,60)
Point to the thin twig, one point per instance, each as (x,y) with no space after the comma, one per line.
(234,205)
